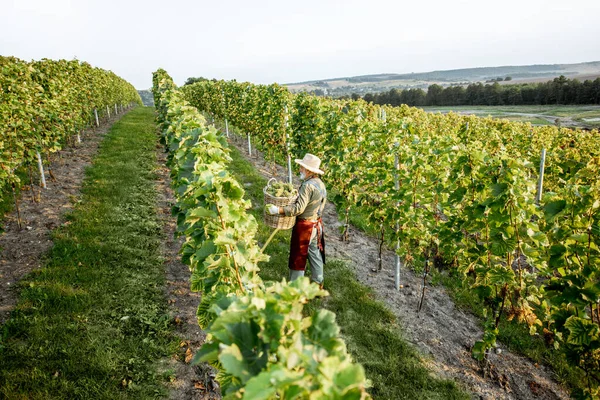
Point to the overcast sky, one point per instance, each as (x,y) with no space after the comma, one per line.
(265,41)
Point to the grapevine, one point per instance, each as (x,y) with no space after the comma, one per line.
(44,103)
(467,189)
(257,335)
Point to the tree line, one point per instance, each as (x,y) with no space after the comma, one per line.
(560,90)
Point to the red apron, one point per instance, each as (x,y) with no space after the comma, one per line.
(301,234)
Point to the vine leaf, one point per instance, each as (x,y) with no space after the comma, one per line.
(581,331)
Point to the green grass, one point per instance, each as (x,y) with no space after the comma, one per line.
(370,330)
(93,322)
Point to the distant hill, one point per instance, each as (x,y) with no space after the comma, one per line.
(507,74)
(147,97)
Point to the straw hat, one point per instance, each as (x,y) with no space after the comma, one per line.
(311,163)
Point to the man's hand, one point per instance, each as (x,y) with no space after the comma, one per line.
(272,209)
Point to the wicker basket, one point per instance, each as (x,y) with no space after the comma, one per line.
(278,221)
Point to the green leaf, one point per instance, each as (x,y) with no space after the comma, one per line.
(265,385)
(500,245)
(553,208)
(540,239)
(581,331)
(457,195)
(233,362)
(484,292)
(207,248)
(530,251)
(478,351)
(499,189)
(207,353)
(581,238)
(500,275)
(262,386)
(349,376)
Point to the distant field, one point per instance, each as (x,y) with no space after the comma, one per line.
(383,82)
(572,116)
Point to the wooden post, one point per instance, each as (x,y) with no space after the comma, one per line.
(116,112)
(249,146)
(108,110)
(96,115)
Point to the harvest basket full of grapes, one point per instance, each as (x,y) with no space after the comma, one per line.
(279,194)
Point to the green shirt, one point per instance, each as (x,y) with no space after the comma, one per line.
(310,195)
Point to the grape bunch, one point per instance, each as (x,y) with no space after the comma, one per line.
(280,189)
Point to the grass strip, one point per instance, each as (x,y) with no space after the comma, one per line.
(93,321)
(368,327)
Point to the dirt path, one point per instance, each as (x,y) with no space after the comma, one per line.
(191,381)
(443,334)
(21,250)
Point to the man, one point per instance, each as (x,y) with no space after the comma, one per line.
(307,241)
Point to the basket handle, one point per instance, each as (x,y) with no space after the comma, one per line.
(269,182)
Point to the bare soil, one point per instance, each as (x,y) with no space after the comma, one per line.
(189,381)
(442,333)
(22,249)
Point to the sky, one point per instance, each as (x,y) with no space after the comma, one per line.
(266,41)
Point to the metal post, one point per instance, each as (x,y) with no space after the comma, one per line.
(96,115)
(41,167)
(538,196)
(287,143)
(397,187)
(396,256)
(249,146)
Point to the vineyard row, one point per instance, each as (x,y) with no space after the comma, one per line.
(459,191)
(258,337)
(44,103)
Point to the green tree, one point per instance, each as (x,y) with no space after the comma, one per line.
(434,95)
(192,80)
